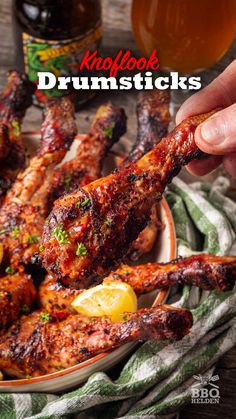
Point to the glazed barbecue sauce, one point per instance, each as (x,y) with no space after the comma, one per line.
(53,35)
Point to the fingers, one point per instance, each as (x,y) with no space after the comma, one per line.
(220,93)
(205,165)
(217,135)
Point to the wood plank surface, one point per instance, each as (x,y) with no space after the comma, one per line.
(118,35)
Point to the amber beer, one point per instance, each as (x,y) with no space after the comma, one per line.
(189,35)
(53,35)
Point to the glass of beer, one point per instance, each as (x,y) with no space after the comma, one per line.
(189,35)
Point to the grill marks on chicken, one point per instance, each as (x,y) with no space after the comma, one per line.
(23,212)
(101,221)
(107,128)
(17,296)
(35,347)
(15,98)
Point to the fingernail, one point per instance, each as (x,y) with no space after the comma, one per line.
(212,131)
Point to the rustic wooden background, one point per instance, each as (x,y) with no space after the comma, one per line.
(118,35)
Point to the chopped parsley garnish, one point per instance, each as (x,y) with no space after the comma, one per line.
(15,232)
(83,203)
(81,250)
(28,377)
(108,131)
(41,248)
(45,317)
(60,234)
(125,317)
(60,369)
(108,222)
(10,270)
(31,239)
(25,309)
(126,272)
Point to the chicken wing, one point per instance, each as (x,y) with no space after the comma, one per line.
(107,128)
(15,98)
(17,296)
(35,345)
(207,272)
(89,231)
(23,212)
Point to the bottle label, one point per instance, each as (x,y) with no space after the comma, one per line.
(59,57)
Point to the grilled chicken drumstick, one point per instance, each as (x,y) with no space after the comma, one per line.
(23,212)
(36,346)
(153,121)
(207,272)
(15,98)
(109,124)
(107,128)
(90,230)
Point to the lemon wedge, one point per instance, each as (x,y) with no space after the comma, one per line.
(111,299)
(1,253)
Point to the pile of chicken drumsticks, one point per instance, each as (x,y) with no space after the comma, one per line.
(72,228)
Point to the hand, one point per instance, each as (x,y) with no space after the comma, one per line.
(217,135)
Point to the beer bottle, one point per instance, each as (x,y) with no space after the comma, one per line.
(53,35)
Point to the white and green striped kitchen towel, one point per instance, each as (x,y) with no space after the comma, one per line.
(158,377)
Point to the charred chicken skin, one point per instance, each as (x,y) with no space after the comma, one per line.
(23,212)
(17,296)
(15,98)
(208,272)
(36,346)
(89,231)
(107,128)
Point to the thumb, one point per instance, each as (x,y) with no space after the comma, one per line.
(217,135)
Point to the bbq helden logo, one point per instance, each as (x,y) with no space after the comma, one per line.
(202,395)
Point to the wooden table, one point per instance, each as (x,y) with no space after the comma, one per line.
(118,35)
